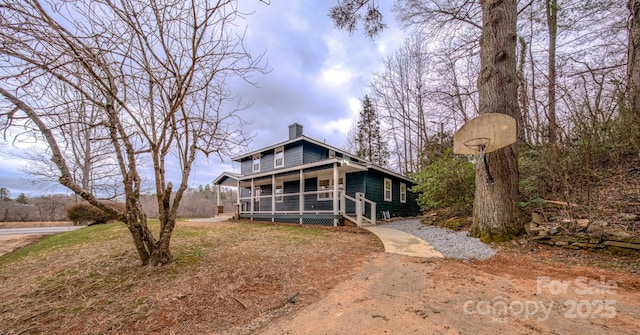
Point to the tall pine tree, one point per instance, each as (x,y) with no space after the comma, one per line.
(369,143)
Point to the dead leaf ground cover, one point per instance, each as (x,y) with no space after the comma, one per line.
(227,278)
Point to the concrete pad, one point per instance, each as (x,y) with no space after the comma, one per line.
(399,242)
(218,218)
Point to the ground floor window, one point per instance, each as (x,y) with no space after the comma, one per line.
(403,192)
(326,184)
(387,189)
(278,192)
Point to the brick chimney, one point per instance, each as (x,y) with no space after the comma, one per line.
(295,130)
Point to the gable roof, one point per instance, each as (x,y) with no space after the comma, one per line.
(297,139)
(225,177)
(361,161)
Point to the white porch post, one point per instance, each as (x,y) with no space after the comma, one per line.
(217,198)
(359,206)
(273,197)
(252,199)
(335,193)
(238,205)
(301,201)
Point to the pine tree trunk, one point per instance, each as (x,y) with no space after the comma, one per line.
(495,212)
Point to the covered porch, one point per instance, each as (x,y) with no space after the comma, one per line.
(326,192)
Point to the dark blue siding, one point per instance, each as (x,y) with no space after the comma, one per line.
(293,155)
(314,153)
(290,203)
(355,183)
(266,162)
(375,192)
(246,166)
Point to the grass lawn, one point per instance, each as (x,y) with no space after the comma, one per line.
(227,278)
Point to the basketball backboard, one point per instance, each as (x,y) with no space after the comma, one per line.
(485,133)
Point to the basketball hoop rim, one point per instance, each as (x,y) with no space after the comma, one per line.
(477,144)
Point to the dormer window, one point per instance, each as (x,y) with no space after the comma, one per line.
(256,163)
(278,157)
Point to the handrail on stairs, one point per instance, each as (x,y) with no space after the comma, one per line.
(360,202)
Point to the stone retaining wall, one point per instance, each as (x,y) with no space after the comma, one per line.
(579,234)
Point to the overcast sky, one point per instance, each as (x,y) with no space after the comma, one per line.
(318,76)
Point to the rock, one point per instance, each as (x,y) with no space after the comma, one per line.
(620,234)
(596,227)
(623,244)
(588,245)
(537,228)
(554,230)
(582,223)
(536,218)
(539,238)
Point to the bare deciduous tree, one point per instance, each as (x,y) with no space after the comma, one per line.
(633,69)
(400,92)
(157,75)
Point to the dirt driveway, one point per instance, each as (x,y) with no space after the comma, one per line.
(508,294)
(10,243)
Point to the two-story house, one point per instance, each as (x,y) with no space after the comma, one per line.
(303,180)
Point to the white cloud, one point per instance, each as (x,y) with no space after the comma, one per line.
(335,78)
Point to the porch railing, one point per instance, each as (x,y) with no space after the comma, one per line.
(362,205)
(361,208)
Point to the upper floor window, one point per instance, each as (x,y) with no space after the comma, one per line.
(387,190)
(256,163)
(403,192)
(278,157)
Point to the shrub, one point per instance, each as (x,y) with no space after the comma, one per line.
(449,182)
(86,213)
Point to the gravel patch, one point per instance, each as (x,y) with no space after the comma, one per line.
(452,244)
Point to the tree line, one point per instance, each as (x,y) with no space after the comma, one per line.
(198,202)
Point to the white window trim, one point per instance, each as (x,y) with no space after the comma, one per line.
(257,192)
(279,196)
(324,196)
(384,187)
(329,195)
(253,163)
(403,193)
(275,157)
